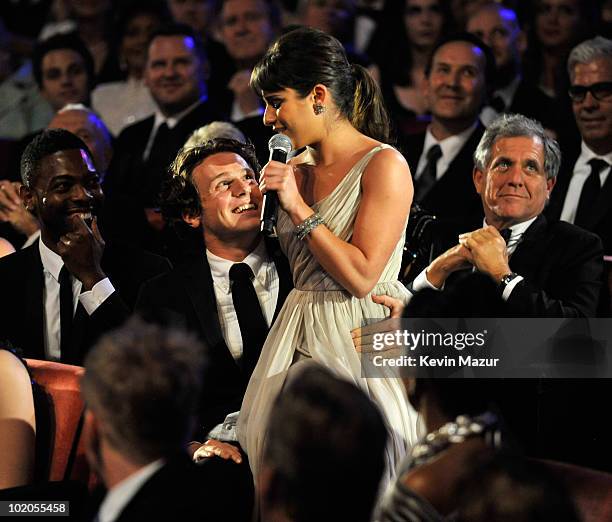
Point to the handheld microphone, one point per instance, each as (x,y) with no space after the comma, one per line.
(280,147)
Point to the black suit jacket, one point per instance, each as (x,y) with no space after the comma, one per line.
(600,218)
(185,297)
(181,490)
(22,305)
(453,195)
(562,267)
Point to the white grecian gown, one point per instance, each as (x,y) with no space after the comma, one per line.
(316,321)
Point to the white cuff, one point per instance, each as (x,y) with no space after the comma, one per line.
(31,238)
(509,287)
(422,283)
(93,298)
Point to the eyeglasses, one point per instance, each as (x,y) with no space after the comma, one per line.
(601,91)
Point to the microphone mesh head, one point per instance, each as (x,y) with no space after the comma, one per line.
(280,141)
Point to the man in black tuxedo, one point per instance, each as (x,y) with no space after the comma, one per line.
(526,266)
(546,268)
(66,289)
(175,73)
(215,188)
(584,192)
(141,388)
(498,26)
(440,159)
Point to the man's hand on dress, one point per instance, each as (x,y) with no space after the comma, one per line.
(363,338)
(215,448)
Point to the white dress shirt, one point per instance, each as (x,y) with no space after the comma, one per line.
(118,497)
(488,113)
(516,234)
(91,300)
(266,286)
(450,148)
(171,122)
(582,170)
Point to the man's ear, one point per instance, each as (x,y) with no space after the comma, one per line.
(550,184)
(193,220)
(479,178)
(27,195)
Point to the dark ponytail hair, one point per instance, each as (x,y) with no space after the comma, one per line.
(304,57)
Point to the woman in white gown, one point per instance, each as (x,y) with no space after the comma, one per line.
(345,204)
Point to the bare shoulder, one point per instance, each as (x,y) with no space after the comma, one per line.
(389,159)
(10,364)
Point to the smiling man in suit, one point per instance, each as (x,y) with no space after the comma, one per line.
(457,75)
(175,73)
(584,193)
(231,290)
(543,268)
(66,289)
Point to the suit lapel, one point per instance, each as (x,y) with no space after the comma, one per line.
(199,286)
(531,249)
(34,286)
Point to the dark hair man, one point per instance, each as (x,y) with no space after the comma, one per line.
(214,189)
(175,73)
(60,293)
(440,159)
(64,70)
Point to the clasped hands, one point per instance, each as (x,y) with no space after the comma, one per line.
(484,249)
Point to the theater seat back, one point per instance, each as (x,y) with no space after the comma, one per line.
(59,411)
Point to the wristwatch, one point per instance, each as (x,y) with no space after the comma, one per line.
(505,281)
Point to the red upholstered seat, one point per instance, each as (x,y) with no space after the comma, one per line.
(58,416)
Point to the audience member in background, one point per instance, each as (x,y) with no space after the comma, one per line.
(61,293)
(440,159)
(22,108)
(324,456)
(142,385)
(583,195)
(499,28)
(175,74)
(214,130)
(93,24)
(16,222)
(556,26)
(246,29)
(17,422)
(401,49)
(196,13)
(124,102)
(461,10)
(335,17)
(64,70)
(215,189)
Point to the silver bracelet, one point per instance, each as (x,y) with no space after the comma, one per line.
(308,225)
